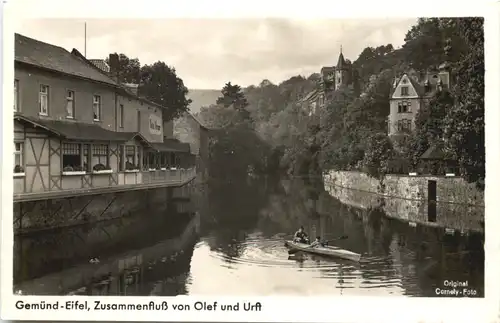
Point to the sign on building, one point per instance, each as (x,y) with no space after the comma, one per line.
(155,124)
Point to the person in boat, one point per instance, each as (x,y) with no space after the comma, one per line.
(300,236)
(317,242)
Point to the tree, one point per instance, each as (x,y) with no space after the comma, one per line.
(160,84)
(128,70)
(378,155)
(425,42)
(464,123)
(232,96)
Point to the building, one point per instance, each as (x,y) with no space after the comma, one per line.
(409,94)
(332,79)
(187,128)
(77,130)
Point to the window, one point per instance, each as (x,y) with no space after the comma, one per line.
(18,156)
(404,91)
(16,96)
(404,107)
(70,104)
(404,125)
(72,157)
(100,154)
(121,110)
(43,100)
(97,107)
(130,154)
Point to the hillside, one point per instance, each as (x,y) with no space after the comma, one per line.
(202,98)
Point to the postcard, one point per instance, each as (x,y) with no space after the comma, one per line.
(284,162)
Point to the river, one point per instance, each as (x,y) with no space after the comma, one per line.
(233,245)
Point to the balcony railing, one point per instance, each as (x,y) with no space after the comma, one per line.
(90,184)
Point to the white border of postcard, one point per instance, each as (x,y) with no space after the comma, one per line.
(273,309)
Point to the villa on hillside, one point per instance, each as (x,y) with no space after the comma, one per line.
(332,79)
(408,94)
(76,129)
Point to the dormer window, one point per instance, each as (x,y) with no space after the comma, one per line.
(404,91)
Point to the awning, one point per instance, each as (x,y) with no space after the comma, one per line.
(171,145)
(80,131)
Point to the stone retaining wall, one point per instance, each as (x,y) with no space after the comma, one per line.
(449,189)
(55,213)
(459,206)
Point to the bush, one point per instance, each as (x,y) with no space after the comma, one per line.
(377,155)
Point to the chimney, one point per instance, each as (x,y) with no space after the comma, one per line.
(132,87)
(114,65)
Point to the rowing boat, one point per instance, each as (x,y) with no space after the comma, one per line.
(324,251)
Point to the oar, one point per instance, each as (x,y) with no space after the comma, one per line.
(294,250)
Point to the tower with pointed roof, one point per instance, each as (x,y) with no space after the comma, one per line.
(332,79)
(341,71)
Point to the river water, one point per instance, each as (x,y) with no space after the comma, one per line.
(233,245)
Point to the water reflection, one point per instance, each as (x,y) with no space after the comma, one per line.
(235,246)
(141,257)
(247,252)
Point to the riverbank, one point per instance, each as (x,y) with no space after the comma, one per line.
(447,202)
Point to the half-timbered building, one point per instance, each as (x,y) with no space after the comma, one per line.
(76,129)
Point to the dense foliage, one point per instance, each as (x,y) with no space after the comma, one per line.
(351,131)
(158,83)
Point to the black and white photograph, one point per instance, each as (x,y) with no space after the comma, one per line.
(248,157)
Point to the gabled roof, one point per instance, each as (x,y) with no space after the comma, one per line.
(418,88)
(80,131)
(100,64)
(54,58)
(39,54)
(188,114)
(435,152)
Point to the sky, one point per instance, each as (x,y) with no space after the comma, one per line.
(207,53)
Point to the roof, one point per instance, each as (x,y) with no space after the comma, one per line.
(100,64)
(328,69)
(341,62)
(123,88)
(36,53)
(195,118)
(80,131)
(310,95)
(171,145)
(418,88)
(435,152)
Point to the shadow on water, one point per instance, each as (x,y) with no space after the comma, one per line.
(236,241)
